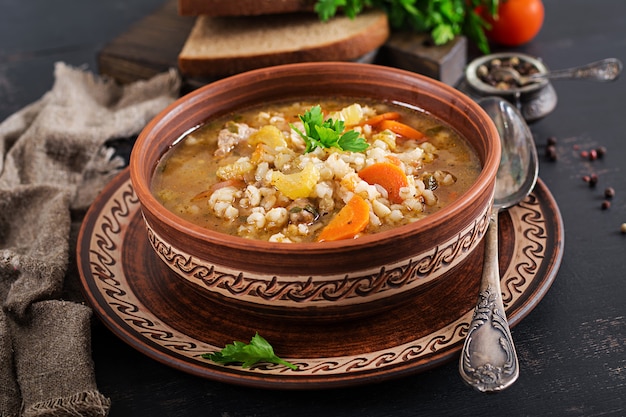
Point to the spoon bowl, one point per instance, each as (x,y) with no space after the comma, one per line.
(519,164)
(488,359)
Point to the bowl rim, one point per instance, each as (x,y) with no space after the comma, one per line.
(142,187)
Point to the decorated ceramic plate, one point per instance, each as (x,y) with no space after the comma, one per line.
(134,294)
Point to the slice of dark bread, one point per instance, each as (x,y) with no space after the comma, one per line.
(220,46)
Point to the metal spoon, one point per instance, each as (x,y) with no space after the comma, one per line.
(604,70)
(488,360)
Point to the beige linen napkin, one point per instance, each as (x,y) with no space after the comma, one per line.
(54,160)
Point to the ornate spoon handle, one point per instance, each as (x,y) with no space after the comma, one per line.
(488,360)
(603,70)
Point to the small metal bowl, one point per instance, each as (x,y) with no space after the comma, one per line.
(534,101)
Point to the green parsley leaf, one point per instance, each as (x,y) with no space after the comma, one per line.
(352,141)
(258,350)
(328,8)
(443,19)
(320,133)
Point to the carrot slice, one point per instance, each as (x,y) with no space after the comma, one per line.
(351,220)
(388,175)
(401,129)
(393,159)
(373,121)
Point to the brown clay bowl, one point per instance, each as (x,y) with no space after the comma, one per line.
(333,280)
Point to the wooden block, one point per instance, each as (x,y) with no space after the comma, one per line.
(415,52)
(149,47)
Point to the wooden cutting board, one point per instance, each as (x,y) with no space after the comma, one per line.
(151,46)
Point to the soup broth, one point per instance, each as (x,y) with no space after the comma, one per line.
(282,172)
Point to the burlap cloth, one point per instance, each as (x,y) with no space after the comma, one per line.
(54,161)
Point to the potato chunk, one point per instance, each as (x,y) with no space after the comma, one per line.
(269,135)
(299,184)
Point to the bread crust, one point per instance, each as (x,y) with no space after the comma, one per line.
(199,58)
(242,7)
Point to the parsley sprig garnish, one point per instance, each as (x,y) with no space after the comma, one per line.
(258,350)
(329,133)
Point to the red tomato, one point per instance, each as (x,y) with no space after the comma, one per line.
(518,21)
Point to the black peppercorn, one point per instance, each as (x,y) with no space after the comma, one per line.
(606,204)
(551,152)
(609,192)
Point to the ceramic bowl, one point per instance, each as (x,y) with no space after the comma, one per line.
(335,280)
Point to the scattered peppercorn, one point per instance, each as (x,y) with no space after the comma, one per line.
(593,180)
(552,141)
(592,154)
(606,204)
(623,228)
(586,178)
(609,192)
(551,152)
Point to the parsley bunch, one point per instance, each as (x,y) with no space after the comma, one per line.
(443,19)
(320,133)
(258,350)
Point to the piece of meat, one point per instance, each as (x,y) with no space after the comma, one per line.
(230,136)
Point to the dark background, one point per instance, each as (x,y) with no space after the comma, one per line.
(572,346)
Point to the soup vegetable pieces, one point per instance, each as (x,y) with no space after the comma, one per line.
(351,220)
(315,171)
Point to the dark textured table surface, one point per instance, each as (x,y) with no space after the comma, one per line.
(572,346)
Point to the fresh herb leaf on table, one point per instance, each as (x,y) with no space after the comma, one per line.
(443,19)
(258,350)
(320,133)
